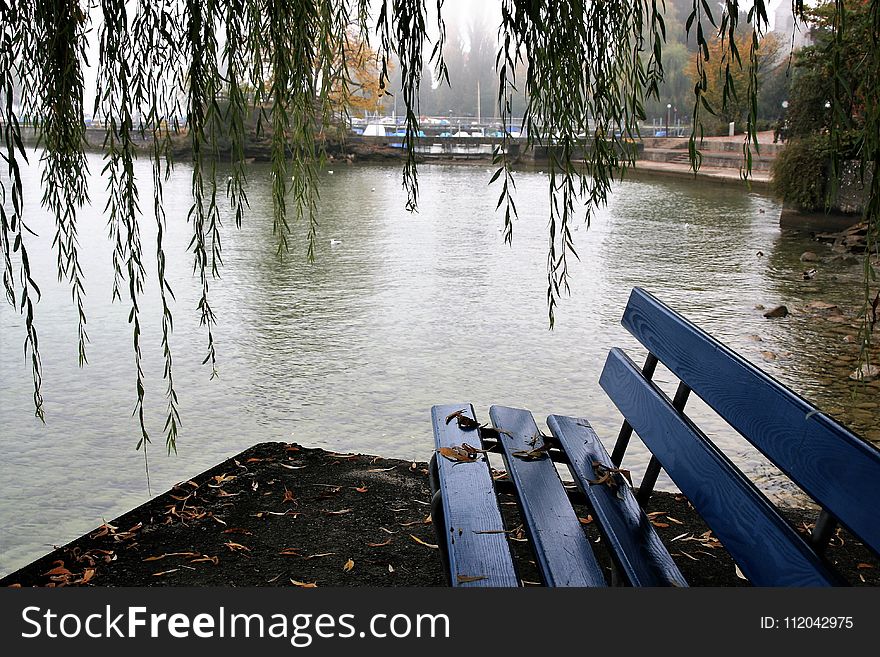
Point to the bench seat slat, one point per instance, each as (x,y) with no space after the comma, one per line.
(642,557)
(564,555)
(470,506)
(768,550)
(829,462)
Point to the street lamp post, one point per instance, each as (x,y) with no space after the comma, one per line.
(668,107)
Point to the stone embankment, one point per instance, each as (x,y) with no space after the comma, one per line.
(722,158)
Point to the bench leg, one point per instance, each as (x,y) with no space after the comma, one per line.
(823,530)
(433,474)
(439,521)
(646,488)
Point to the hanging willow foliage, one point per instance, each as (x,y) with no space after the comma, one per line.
(588,68)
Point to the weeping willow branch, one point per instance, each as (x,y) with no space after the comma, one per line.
(237,108)
(596,49)
(202,116)
(63,136)
(117,104)
(12,227)
(155,27)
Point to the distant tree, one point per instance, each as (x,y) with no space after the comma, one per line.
(677,88)
(359,92)
(832,113)
(730,79)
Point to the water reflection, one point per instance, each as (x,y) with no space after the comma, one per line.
(405,311)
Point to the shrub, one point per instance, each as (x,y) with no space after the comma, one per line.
(800,172)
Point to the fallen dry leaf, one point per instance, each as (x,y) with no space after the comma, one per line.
(319,555)
(349,565)
(165,572)
(535,454)
(388,542)
(362,488)
(657,523)
(381,469)
(288,495)
(291,552)
(585,521)
(103,530)
(418,540)
(237,530)
(739,573)
(237,547)
(291,467)
(463,453)
(864,565)
(390,570)
(87,576)
(464,422)
(604,475)
(462,579)
(304,585)
(173,554)
(205,558)
(59,569)
(289,512)
(337,513)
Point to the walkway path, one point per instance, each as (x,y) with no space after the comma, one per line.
(722,157)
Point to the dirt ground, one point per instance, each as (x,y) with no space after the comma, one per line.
(285,515)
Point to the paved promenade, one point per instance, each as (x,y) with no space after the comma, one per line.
(722,156)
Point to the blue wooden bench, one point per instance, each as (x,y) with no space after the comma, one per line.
(836,468)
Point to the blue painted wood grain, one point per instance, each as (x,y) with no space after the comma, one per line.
(563,553)
(469,508)
(627,531)
(840,470)
(768,550)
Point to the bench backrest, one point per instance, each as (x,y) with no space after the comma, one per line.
(839,470)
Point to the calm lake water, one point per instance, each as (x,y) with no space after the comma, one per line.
(409,310)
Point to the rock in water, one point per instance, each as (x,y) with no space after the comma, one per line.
(778,311)
(823,307)
(866,373)
(809,256)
